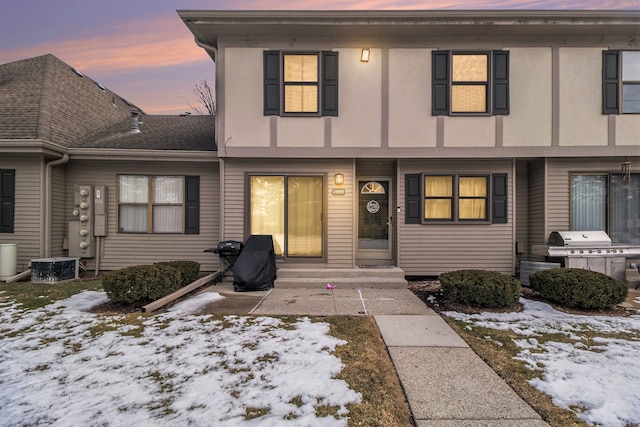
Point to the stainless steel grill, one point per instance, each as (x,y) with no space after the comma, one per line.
(588,249)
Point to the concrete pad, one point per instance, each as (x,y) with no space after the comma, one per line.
(239,303)
(306,302)
(455,384)
(393,301)
(481,423)
(417,331)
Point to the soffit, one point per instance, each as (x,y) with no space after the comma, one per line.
(209,26)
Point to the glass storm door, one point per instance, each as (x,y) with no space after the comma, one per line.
(373,220)
(290,209)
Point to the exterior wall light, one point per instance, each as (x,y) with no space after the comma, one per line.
(338,179)
(364,55)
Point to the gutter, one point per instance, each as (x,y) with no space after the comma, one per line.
(208,48)
(46,214)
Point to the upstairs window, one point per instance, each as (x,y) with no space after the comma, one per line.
(300,83)
(301,86)
(621,82)
(470,83)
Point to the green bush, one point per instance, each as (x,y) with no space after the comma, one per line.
(480,288)
(141,283)
(578,288)
(190,270)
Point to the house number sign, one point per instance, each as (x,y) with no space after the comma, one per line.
(373,207)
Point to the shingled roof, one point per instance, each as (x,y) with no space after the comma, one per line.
(45,99)
(185,132)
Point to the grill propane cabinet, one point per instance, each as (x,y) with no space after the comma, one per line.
(591,250)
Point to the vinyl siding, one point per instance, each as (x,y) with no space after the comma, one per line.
(58,211)
(522,207)
(559,178)
(27,208)
(432,249)
(537,223)
(120,250)
(339,223)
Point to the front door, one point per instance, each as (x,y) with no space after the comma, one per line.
(374,222)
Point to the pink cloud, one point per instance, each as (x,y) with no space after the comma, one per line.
(133,46)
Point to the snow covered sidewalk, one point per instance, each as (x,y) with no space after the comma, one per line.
(597,370)
(63,366)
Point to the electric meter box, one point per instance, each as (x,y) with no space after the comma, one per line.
(81,241)
(100,210)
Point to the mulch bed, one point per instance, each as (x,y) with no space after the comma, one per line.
(428,289)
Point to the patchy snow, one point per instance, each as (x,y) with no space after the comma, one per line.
(600,376)
(63,366)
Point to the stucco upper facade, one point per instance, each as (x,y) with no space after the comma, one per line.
(385,105)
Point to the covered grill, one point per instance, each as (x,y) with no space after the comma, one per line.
(588,249)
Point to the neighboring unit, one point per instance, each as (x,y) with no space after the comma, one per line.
(86,174)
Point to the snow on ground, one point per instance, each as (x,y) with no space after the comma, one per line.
(600,376)
(63,366)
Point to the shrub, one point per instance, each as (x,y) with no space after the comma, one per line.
(578,288)
(480,288)
(141,283)
(190,270)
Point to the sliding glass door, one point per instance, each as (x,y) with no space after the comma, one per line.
(290,209)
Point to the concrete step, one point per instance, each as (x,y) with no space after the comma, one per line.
(386,272)
(345,278)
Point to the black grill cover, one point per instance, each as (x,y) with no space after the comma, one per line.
(255,268)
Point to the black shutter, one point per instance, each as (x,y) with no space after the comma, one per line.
(499,199)
(271,83)
(329,83)
(440,83)
(500,82)
(610,82)
(413,199)
(192,205)
(7,199)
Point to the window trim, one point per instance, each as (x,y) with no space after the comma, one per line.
(486,84)
(455,200)
(497,84)
(190,224)
(286,84)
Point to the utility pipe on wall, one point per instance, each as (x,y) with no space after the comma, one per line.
(47,202)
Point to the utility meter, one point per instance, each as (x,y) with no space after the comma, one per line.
(81,242)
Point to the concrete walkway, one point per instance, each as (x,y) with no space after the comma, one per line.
(446,383)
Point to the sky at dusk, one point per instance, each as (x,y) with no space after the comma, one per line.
(142,51)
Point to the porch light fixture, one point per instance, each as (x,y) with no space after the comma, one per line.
(338,179)
(364,55)
(626,170)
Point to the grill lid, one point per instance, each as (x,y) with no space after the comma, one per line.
(579,238)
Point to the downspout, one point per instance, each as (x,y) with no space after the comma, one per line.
(47,202)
